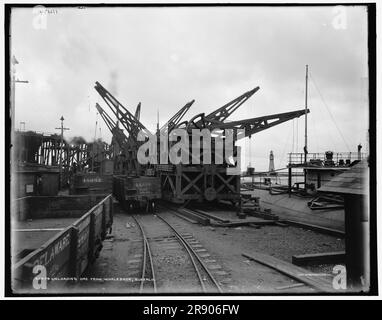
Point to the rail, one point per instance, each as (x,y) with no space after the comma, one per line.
(197,264)
(146,253)
(338,158)
(193,254)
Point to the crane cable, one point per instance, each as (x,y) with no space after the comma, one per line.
(314,130)
(297,135)
(250,151)
(327,108)
(293,136)
(281,159)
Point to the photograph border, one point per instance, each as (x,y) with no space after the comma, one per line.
(371,19)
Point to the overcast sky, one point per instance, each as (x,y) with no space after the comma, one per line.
(165,57)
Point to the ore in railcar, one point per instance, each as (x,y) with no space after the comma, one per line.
(137,193)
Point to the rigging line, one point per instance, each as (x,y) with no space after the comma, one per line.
(95,130)
(293,137)
(250,152)
(285,146)
(322,113)
(297,135)
(314,128)
(315,136)
(327,108)
(362,138)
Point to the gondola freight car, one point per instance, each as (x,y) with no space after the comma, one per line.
(55,239)
(137,192)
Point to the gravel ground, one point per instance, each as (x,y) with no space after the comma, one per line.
(228,244)
(222,248)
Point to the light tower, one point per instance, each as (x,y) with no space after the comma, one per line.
(271,162)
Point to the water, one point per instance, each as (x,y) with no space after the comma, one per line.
(281,179)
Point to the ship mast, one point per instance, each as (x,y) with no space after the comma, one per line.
(306,124)
(306,114)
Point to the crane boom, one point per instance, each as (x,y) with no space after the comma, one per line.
(175,119)
(138,111)
(258,124)
(221,114)
(108,120)
(118,134)
(127,119)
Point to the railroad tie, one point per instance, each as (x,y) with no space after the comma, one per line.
(187,235)
(214,266)
(209,261)
(171,247)
(225,280)
(133,261)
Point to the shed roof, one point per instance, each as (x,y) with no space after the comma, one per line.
(353,181)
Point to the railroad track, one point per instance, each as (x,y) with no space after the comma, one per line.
(317,283)
(194,215)
(164,245)
(148,273)
(205,217)
(206,282)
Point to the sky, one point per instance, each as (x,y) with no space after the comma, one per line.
(165,57)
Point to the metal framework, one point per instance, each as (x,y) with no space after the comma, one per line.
(258,124)
(42,149)
(125,161)
(174,121)
(132,125)
(185,182)
(119,141)
(221,114)
(124,116)
(137,114)
(211,182)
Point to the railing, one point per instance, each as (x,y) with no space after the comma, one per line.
(338,158)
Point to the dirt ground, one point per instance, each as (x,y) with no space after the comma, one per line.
(117,270)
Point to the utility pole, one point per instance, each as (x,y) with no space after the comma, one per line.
(13,106)
(13,91)
(306,124)
(61,146)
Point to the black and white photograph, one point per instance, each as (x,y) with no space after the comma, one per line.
(190,150)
